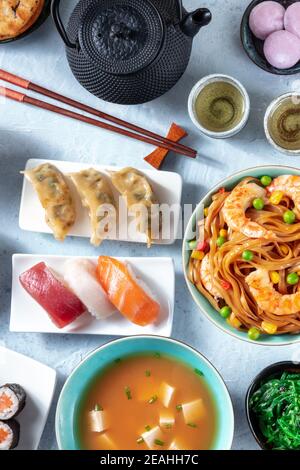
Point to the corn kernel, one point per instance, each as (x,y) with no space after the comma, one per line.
(276,198)
(269,328)
(199,255)
(275,277)
(284,249)
(223,233)
(234,321)
(206,210)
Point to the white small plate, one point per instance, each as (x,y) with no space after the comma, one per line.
(39,383)
(28,316)
(167,187)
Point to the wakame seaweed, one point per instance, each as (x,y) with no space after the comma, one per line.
(277,406)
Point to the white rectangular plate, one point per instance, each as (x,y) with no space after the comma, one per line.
(28,316)
(39,383)
(167,187)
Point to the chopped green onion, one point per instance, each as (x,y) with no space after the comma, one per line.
(192,425)
(198,372)
(98,407)
(128,393)
(148,428)
(153,400)
(117,361)
(157,355)
(168,426)
(158,442)
(140,440)
(179,407)
(148,373)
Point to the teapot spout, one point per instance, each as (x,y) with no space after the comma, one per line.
(193,22)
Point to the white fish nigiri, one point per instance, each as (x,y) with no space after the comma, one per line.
(81,276)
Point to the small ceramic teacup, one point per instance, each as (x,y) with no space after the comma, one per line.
(200,86)
(275,105)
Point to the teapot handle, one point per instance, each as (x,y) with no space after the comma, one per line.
(59,24)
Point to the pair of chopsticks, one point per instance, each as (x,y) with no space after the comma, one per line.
(126,128)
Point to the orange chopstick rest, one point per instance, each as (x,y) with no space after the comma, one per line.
(156,158)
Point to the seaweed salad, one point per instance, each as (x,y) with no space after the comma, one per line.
(277,406)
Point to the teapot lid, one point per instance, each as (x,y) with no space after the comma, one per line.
(121,36)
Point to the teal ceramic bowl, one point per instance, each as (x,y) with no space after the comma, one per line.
(78,383)
(201,301)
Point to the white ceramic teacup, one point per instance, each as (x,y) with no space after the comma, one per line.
(272,107)
(195,93)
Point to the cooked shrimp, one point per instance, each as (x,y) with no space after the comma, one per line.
(206,277)
(289,185)
(267,298)
(234,211)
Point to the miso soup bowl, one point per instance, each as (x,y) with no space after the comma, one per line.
(79,382)
(205,308)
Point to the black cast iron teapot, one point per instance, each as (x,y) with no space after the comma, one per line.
(129,51)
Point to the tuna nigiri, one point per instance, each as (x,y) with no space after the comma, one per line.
(81,277)
(62,306)
(125,293)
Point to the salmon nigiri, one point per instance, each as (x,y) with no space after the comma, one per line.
(125,293)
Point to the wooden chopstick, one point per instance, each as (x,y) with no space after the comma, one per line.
(16,96)
(159,140)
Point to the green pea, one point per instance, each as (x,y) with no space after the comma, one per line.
(248,255)
(225,312)
(258,204)
(253,334)
(193,245)
(266,180)
(289,217)
(292,279)
(221,241)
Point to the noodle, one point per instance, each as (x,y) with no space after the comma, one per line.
(226,263)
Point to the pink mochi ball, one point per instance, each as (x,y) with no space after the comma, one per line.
(266,18)
(292,19)
(282,49)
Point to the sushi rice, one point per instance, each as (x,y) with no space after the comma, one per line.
(9,434)
(12,401)
(81,277)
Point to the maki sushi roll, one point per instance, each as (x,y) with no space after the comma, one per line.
(12,401)
(9,434)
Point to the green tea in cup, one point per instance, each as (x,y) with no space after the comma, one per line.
(283,123)
(219,106)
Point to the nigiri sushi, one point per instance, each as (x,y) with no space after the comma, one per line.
(62,305)
(81,277)
(125,293)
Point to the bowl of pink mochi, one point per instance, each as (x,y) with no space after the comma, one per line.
(270,33)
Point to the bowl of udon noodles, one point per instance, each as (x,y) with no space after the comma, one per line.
(241,255)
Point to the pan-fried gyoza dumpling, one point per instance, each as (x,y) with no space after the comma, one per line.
(55,196)
(94,191)
(137,191)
